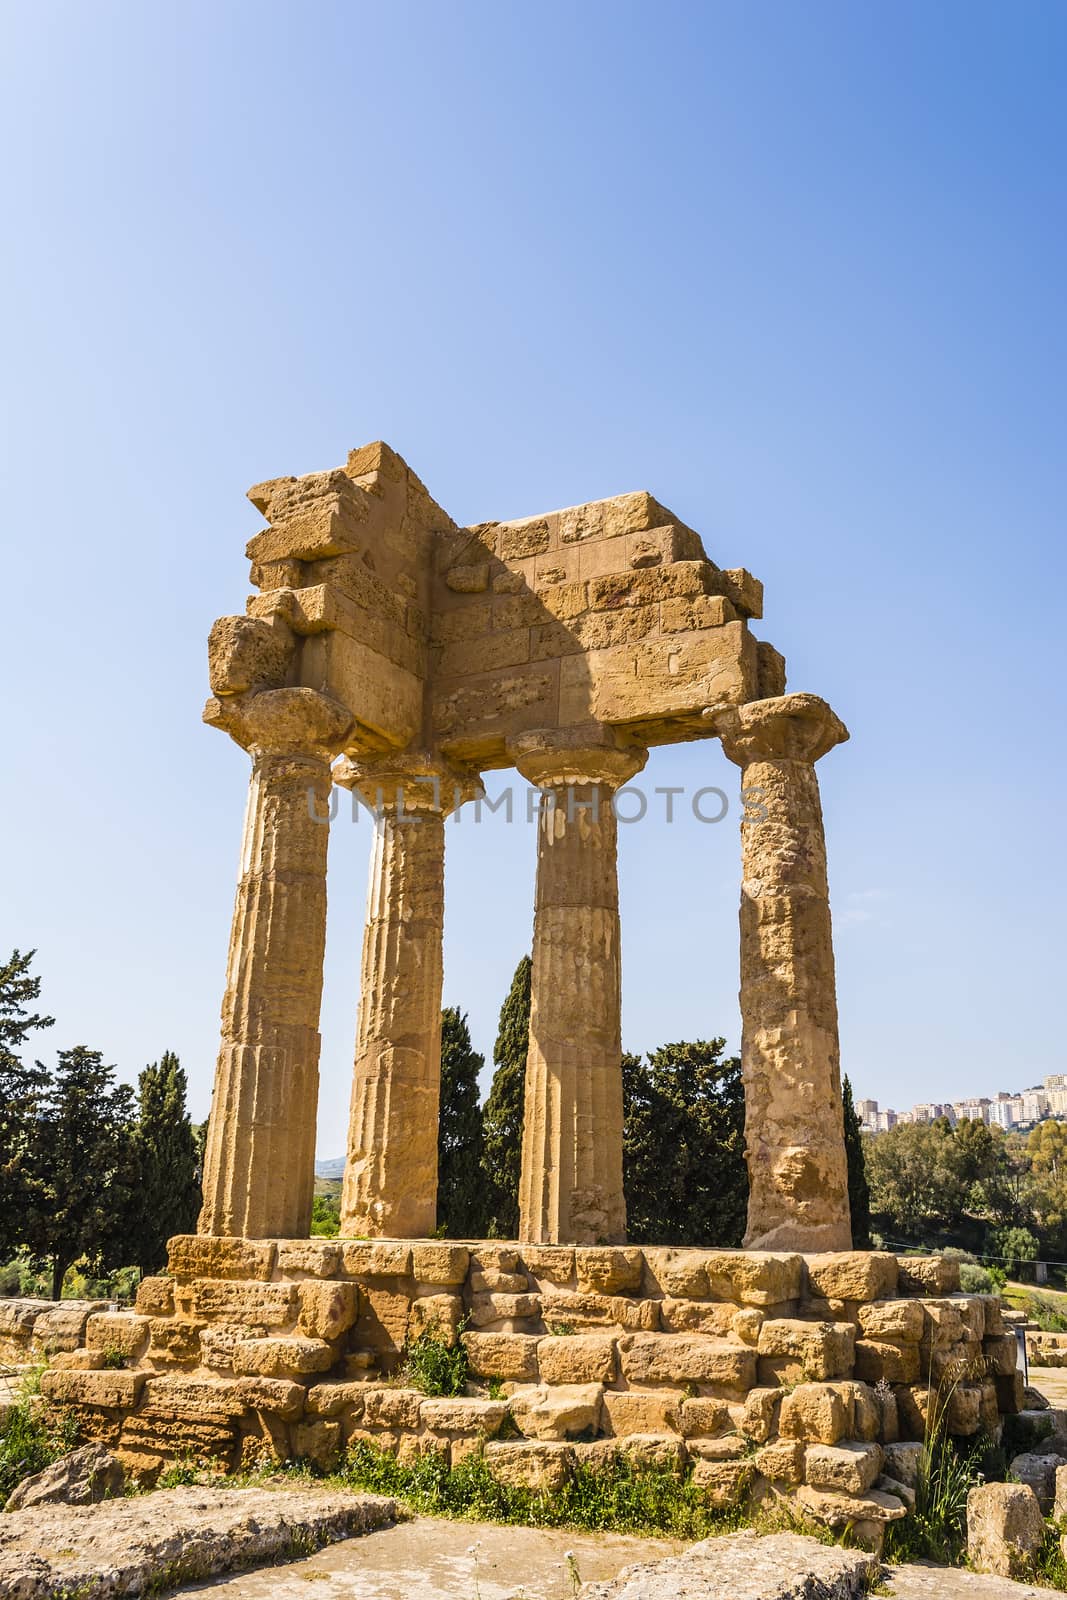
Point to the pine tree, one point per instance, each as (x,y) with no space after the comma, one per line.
(20,1088)
(84,1166)
(461,1199)
(503,1115)
(168,1197)
(684,1168)
(859,1195)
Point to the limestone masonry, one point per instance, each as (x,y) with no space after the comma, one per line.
(390,651)
(771,1374)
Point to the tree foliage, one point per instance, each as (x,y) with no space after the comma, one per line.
(20,1090)
(683,1155)
(84,1167)
(460,1141)
(168,1164)
(859,1194)
(503,1115)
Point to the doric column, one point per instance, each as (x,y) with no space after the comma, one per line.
(390,1183)
(794,1133)
(259,1164)
(571,1186)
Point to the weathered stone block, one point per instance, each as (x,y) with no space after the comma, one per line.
(327,1309)
(810,1349)
(1039,1472)
(853,1274)
(282,1358)
(838,1510)
(440,1263)
(502,1355)
(122,1331)
(119,1389)
(63,1327)
(782,1461)
(331,1399)
(580,1358)
(549,1263)
(633,1411)
(460,1414)
(271,1304)
(318,1442)
(716,1318)
(685,1358)
(278,1396)
(849,1467)
(723,1482)
(383,1320)
(878,1358)
(392,1408)
(182,1398)
(194,1255)
(1005,1529)
(927,1275)
(1001,1352)
(759,1419)
(369,1259)
(755,1278)
(678,1273)
(155,1297)
(173,1339)
(608,1270)
(488,1280)
(321,1258)
(703,1418)
(599,1311)
(439,1315)
(526,1465)
(817,1412)
(559,1411)
(900,1320)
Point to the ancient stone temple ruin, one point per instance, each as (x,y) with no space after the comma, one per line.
(391,652)
(388,651)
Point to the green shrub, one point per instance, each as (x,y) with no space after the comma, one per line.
(28,1445)
(975,1279)
(436,1367)
(1045,1313)
(624,1497)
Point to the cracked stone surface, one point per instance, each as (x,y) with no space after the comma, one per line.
(117,1548)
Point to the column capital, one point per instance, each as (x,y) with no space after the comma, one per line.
(287,722)
(789,727)
(551,758)
(419,782)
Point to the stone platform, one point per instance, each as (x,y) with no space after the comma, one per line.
(770,1373)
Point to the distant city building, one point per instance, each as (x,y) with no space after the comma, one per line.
(1002,1110)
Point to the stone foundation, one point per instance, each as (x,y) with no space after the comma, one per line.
(770,1373)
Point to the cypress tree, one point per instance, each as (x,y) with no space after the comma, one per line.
(20,1089)
(859,1195)
(503,1115)
(460,1186)
(168,1199)
(684,1168)
(85,1168)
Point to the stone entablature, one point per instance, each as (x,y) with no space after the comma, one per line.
(392,652)
(763,1371)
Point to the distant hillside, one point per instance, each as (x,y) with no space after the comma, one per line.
(330,1169)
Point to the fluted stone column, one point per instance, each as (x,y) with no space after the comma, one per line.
(570,1190)
(794,1133)
(259,1164)
(390,1183)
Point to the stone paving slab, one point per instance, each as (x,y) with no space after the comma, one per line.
(428,1559)
(115,1549)
(948,1583)
(746,1566)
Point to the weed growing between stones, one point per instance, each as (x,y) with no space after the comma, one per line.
(113,1357)
(28,1444)
(436,1367)
(624,1498)
(936,1530)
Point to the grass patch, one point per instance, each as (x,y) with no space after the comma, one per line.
(948,1470)
(29,1444)
(435,1367)
(624,1498)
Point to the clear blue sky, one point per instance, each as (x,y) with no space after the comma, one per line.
(798,270)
